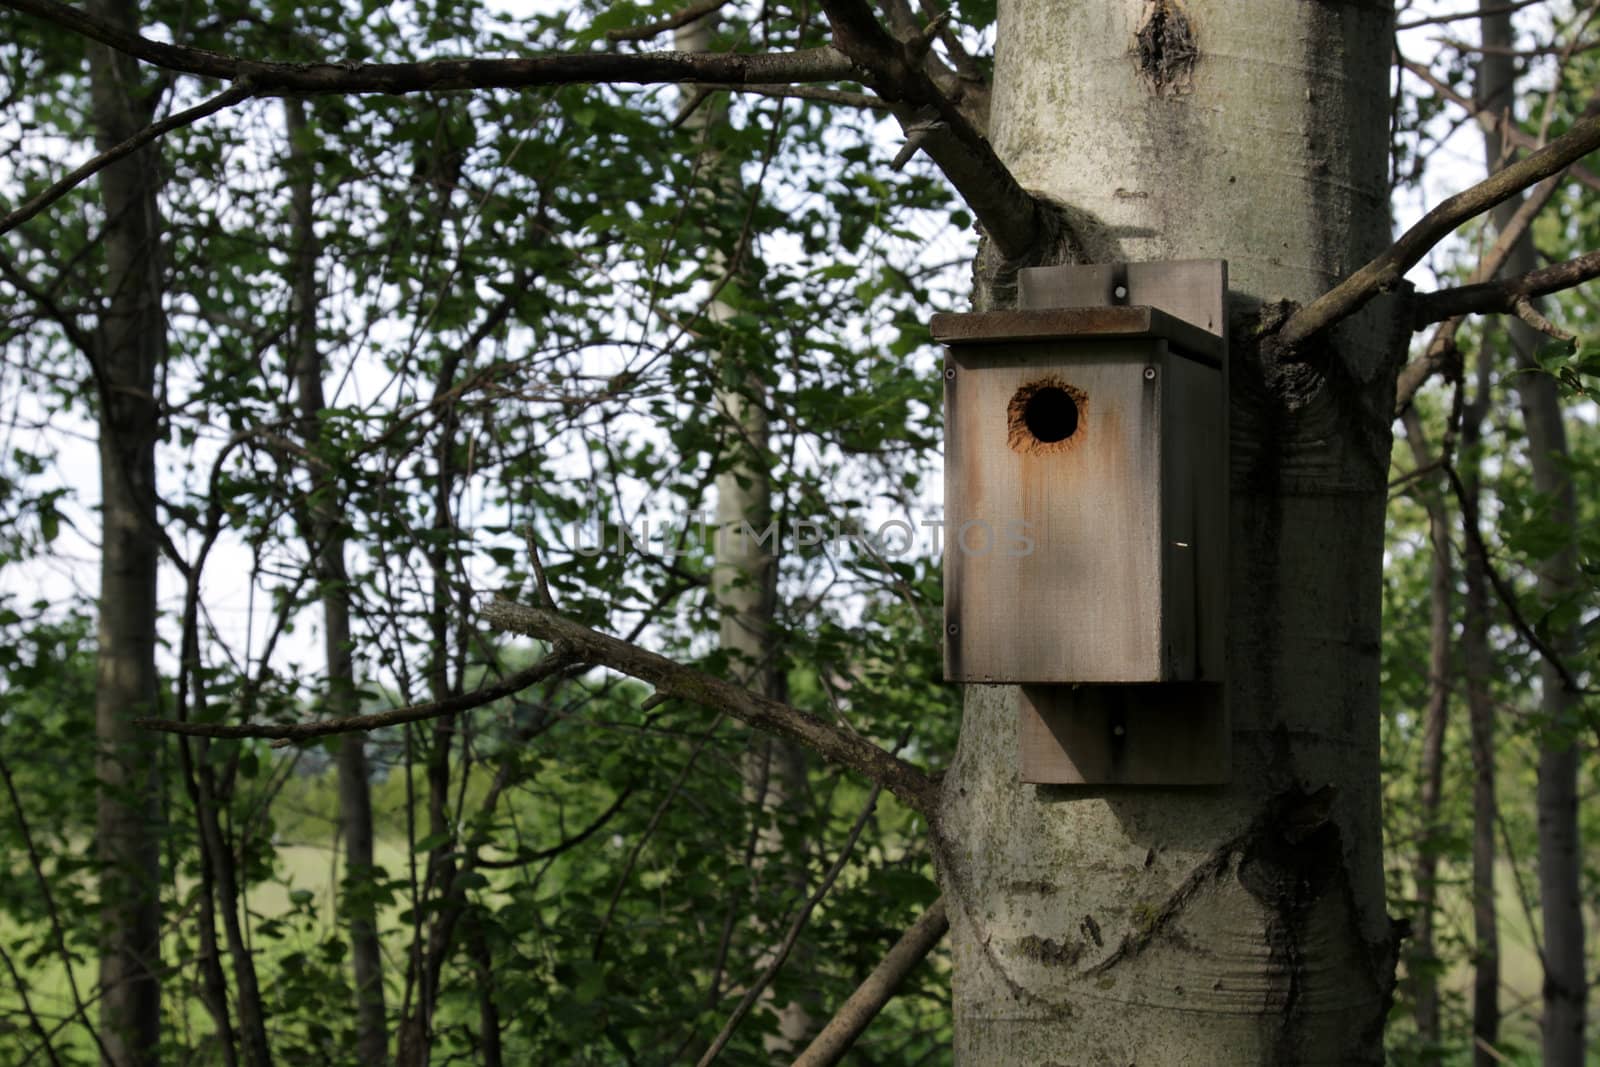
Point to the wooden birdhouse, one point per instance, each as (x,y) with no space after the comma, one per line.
(1085,479)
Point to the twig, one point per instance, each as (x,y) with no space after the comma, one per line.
(57,930)
(1491,120)
(915,787)
(842,97)
(856,1013)
(699,96)
(306,731)
(27,1007)
(644,838)
(532,540)
(1478,12)
(803,916)
(240,90)
(680,18)
(1506,595)
(1505,294)
(523,858)
(1013,218)
(1442,347)
(1524,310)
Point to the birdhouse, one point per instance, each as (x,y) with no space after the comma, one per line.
(1085,478)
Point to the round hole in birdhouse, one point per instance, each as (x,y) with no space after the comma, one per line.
(1045,416)
(1050,415)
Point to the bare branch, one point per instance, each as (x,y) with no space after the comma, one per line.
(671,22)
(842,97)
(524,856)
(1524,309)
(1493,120)
(1386,271)
(1471,13)
(1442,348)
(712,68)
(915,787)
(798,924)
(240,90)
(856,1013)
(1503,295)
(1503,590)
(286,733)
(1014,219)
(1503,50)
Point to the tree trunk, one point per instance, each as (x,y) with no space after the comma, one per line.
(1476,668)
(326,543)
(1423,957)
(129,344)
(1242,924)
(744,578)
(1560,858)
(431,951)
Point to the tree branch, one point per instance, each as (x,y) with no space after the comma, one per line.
(1503,590)
(1471,13)
(1502,296)
(1442,347)
(240,90)
(712,68)
(1491,120)
(510,685)
(842,97)
(915,787)
(856,1013)
(1386,271)
(671,22)
(1014,219)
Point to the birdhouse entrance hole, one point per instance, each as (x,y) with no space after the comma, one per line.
(1044,416)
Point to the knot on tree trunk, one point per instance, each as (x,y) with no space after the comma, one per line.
(1164,48)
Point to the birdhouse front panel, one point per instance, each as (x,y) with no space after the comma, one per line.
(1082,501)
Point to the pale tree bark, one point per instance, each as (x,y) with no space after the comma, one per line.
(325,540)
(744,575)
(129,344)
(1242,924)
(1560,858)
(1441,580)
(1476,668)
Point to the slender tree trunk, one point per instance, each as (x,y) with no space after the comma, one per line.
(1424,956)
(1243,924)
(1560,853)
(327,545)
(744,579)
(429,958)
(1476,666)
(130,343)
